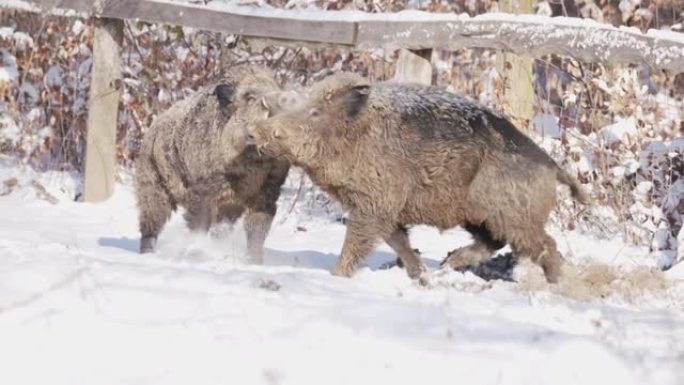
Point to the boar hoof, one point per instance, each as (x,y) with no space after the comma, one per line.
(147,244)
(456,259)
(416,272)
(552,272)
(255,258)
(423,280)
(342,271)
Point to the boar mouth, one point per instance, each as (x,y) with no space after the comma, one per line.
(268,148)
(250,140)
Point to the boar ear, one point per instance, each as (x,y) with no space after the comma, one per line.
(356,99)
(224,94)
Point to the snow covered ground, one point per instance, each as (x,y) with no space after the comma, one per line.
(79,305)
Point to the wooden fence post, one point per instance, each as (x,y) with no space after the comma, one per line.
(414,66)
(103,110)
(517,72)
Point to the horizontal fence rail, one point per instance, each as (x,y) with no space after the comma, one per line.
(536,36)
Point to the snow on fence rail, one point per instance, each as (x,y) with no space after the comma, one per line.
(535,36)
(532,35)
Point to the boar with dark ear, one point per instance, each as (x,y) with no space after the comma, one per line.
(357,97)
(197,155)
(224,94)
(397,155)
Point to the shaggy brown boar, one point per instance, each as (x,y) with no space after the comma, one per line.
(397,155)
(196,155)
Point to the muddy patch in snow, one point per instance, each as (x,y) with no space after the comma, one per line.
(580,282)
(595,281)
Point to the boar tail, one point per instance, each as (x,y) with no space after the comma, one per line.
(575,188)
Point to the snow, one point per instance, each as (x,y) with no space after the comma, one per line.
(18,4)
(9,130)
(53,77)
(8,72)
(629,167)
(30,92)
(544,8)
(317,14)
(182,53)
(677,145)
(547,126)
(411,15)
(78,304)
(620,131)
(6,32)
(78,27)
(163,95)
(643,188)
(22,41)
(680,250)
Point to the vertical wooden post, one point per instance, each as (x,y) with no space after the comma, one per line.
(414,66)
(103,110)
(517,71)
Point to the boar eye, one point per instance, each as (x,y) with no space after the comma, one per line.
(249,97)
(315,112)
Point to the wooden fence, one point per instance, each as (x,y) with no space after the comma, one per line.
(415,33)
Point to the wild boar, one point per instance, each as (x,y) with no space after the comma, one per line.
(196,155)
(397,155)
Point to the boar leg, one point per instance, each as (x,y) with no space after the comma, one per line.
(200,210)
(483,247)
(360,239)
(257,226)
(261,209)
(154,204)
(552,261)
(399,242)
(152,220)
(541,248)
(229,212)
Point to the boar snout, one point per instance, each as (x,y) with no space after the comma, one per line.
(280,101)
(265,131)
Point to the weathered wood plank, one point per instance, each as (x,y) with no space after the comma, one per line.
(213,19)
(536,36)
(105,93)
(414,67)
(533,35)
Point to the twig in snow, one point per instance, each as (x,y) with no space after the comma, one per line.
(40,294)
(296,198)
